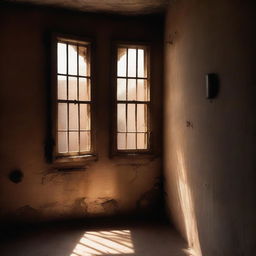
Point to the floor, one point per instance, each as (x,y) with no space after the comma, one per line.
(140,239)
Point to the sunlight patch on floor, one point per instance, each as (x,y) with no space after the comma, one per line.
(104,243)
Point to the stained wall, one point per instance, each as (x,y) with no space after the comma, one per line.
(210,144)
(106,186)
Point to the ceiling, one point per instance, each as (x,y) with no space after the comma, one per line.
(128,7)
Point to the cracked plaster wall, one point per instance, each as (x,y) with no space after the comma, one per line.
(104,187)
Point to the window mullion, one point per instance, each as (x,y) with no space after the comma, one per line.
(136,142)
(126,96)
(67,102)
(77,86)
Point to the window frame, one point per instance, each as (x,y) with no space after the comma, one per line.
(130,152)
(71,157)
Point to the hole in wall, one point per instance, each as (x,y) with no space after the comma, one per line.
(16,176)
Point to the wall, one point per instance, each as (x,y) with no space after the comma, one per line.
(210,144)
(103,187)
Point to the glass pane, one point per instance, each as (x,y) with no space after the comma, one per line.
(85,122)
(62,142)
(142,68)
(62,116)
(131,118)
(85,141)
(132,62)
(73,116)
(84,89)
(141,117)
(72,59)
(121,89)
(121,117)
(131,89)
(62,87)
(121,141)
(73,142)
(121,61)
(62,58)
(142,141)
(72,88)
(83,61)
(143,90)
(131,140)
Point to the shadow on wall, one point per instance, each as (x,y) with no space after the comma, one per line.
(187,206)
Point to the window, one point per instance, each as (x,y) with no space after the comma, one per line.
(132,99)
(74,99)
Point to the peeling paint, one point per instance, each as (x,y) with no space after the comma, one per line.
(80,206)
(72,189)
(49,205)
(189,124)
(110,206)
(27,213)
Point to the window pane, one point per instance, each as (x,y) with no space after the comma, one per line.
(73,116)
(143,90)
(121,117)
(72,59)
(62,87)
(131,62)
(121,62)
(83,61)
(121,89)
(131,140)
(72,88)
(131,118)
(85,141)
(131,89)
(142,68)
(141,117)
(142,140)
(85,122)
(121,141)
(84,89)
(62,58)
(62,142)
(62,116)
(73,142)
(74,119)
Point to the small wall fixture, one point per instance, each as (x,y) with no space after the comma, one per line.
(212,85)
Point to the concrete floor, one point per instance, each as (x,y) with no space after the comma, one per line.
(139,239)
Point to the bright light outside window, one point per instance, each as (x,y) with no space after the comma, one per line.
(133,98)
(73,97)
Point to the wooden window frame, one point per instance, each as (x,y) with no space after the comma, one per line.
(76,156)
(130,152)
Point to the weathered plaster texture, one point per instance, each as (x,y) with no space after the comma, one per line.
(103,187)
(210,144)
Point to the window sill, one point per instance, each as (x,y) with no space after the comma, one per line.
(138,155)
(74,161)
